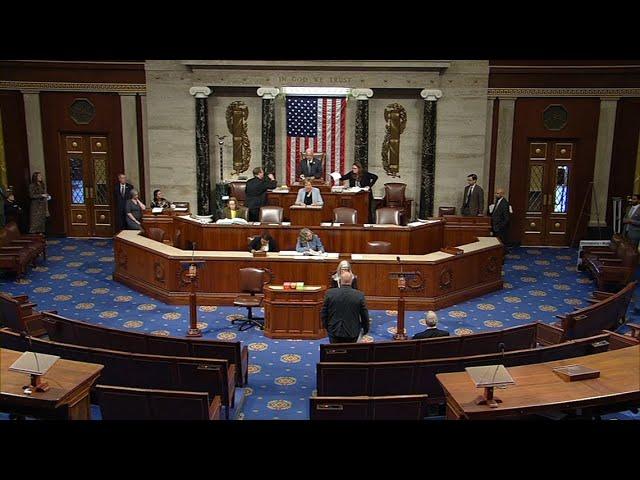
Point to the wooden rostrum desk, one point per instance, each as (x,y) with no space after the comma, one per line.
(153,268)
(293,313)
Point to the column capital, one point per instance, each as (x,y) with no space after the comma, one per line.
(362,93)
(200,92)
(268,93)
(431,95)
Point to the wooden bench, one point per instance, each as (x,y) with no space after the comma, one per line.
(33,241)
(136,370)
(396,407)
(15,257)
(606,312)
(613,269)
(513,338)
(599,251)
(16,313)
(122,403)
(66,330)
(419,376)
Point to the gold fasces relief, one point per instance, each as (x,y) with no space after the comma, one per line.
(236,115)
(396,117)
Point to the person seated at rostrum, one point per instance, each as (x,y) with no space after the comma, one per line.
(309,195)
(309,243)
(233,210)
(159,201)
(431,331)
(343,266)
(264,242)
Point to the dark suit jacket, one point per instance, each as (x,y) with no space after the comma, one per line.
(121,203)
(368,179)
(430,333)
(256,192)
(500,216)
(475,205)
(255,245)
(344,312)
(314,171)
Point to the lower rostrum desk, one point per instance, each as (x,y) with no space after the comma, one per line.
(539,390)
(67,398)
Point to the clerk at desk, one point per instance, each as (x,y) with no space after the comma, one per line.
(309,195)
(309,243)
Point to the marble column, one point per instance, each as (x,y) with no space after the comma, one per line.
(428,165)
(268,95)
(203,164)
(33,121)
(130,141)
(361,148)
(602,167)
(506,112)
(486,168)
(145,145)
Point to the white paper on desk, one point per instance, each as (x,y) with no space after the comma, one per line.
(337,224)
(336,176)
(356,256)
(325,224)
(156,210)
(368,224)
(286,224)
(415,224)
(180,209)
(427,221)
(289,253)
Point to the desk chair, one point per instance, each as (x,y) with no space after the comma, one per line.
(252,281)
(394,197)
(442,211)
(271,214)
(348,216)
(388,216)
(378,246)
(238,190)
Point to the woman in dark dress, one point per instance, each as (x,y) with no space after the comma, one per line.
(39,208)
(134,209)
(360,177)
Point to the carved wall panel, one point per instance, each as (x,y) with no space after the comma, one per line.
(237,115)
(396,118)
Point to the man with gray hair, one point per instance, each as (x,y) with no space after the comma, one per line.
(432,330)
(344,311)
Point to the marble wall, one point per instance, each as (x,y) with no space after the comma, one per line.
(461,123)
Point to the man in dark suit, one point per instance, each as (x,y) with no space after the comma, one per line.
(256,192)
(344,312)
(121,191)
(631,221)
(473,200)
(310,167)
(432,330)
(500,216)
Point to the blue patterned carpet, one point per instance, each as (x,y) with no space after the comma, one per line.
(76,281)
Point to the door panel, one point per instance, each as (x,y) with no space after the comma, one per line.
(549,185)
(87,172)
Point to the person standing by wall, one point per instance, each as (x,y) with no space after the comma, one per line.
(39,208)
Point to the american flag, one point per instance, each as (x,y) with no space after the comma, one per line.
(318,123)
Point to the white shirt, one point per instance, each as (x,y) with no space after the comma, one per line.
(122,187)
(633,209)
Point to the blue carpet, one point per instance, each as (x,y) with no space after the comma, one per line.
(76,281)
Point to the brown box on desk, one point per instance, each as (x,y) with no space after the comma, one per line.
(572,373)
(259,253)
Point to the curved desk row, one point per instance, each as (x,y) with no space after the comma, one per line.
(153,268)
(358,201)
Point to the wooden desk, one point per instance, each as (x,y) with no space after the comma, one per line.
(359,201)
(163,221)
(152,268)
(305,216)
(68,397)
(460,229)
(538,389)
(293,313)
(418,240)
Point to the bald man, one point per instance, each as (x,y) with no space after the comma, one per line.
(310,167)
(500,215)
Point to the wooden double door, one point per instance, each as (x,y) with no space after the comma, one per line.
(550,175)
(86,165)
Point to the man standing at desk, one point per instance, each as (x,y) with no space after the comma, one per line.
(310,167)
(344,311)
(256,192)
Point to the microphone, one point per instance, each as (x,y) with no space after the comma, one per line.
(501,348)
(24,335)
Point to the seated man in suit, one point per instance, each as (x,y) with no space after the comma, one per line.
(264,242)
(309,195)
(500,215)
(310,167)
(309,243)
(344,312)
(473,199)
(233,210)
(431,331)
